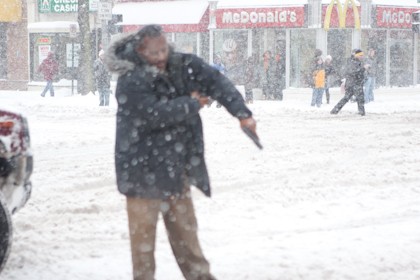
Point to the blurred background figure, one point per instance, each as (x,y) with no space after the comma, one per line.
(49,68)
(218,64)
(280,75)
(371,70)
(318,76)
(329,76)
(268,74)
(251,78)
(103,79)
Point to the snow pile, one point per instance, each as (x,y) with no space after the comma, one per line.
(329,197)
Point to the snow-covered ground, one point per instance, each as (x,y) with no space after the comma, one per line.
(329,197)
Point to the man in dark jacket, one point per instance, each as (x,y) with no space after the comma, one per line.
(159,148)
(355,76)
(103,79)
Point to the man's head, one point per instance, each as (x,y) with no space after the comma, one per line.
(267,55)
(152,46)
(358,54)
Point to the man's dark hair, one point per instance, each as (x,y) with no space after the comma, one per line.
(151,31)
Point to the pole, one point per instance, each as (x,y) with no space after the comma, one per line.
(72,66)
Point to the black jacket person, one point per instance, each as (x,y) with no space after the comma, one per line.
(159,148)
(355,75)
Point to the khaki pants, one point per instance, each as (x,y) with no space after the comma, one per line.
(181,225)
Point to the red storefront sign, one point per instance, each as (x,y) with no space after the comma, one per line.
(260,17)
(392,17)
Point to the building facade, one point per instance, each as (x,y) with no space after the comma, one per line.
(13,45)
(291,29)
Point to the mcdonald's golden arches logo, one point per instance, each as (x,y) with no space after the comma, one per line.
(342,13)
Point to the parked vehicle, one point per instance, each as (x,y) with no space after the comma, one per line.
(16,164)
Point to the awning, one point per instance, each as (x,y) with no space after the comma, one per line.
(174,16)
(224,4)
(51,26)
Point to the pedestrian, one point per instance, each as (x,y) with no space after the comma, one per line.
(49,68)
(218,64)
(280,72)
(250,79)
(318,75)
(371,69)
(103,79)
(329,76)
(268,74)
(159,149)
(354,75)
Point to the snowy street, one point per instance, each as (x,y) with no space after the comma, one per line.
(330,197)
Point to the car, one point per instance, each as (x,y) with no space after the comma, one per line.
(16,165)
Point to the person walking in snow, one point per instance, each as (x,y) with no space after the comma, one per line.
(103,79)
(355,76)
(49,68)
(159,150)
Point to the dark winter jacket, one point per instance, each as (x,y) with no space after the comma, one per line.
(159,138)
(49,67)
(102,76)
(355,75)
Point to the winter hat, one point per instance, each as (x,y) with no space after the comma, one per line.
(328,57)
(358,52)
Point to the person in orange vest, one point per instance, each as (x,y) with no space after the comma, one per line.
(318,74)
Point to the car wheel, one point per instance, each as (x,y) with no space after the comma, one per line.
(5,233)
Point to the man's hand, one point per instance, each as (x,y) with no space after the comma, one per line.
(249,127)
(203,100)
(249,123)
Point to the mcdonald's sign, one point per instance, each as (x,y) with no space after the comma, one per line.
(344,17)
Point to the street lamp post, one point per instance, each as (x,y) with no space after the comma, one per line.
(73,34)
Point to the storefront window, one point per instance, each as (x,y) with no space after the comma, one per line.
(376,39)
(61,45)
(401,55)
(339,47)
(234,52)
(418,59)
(3,50)
(186,42)
(231,45)
(302,46)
